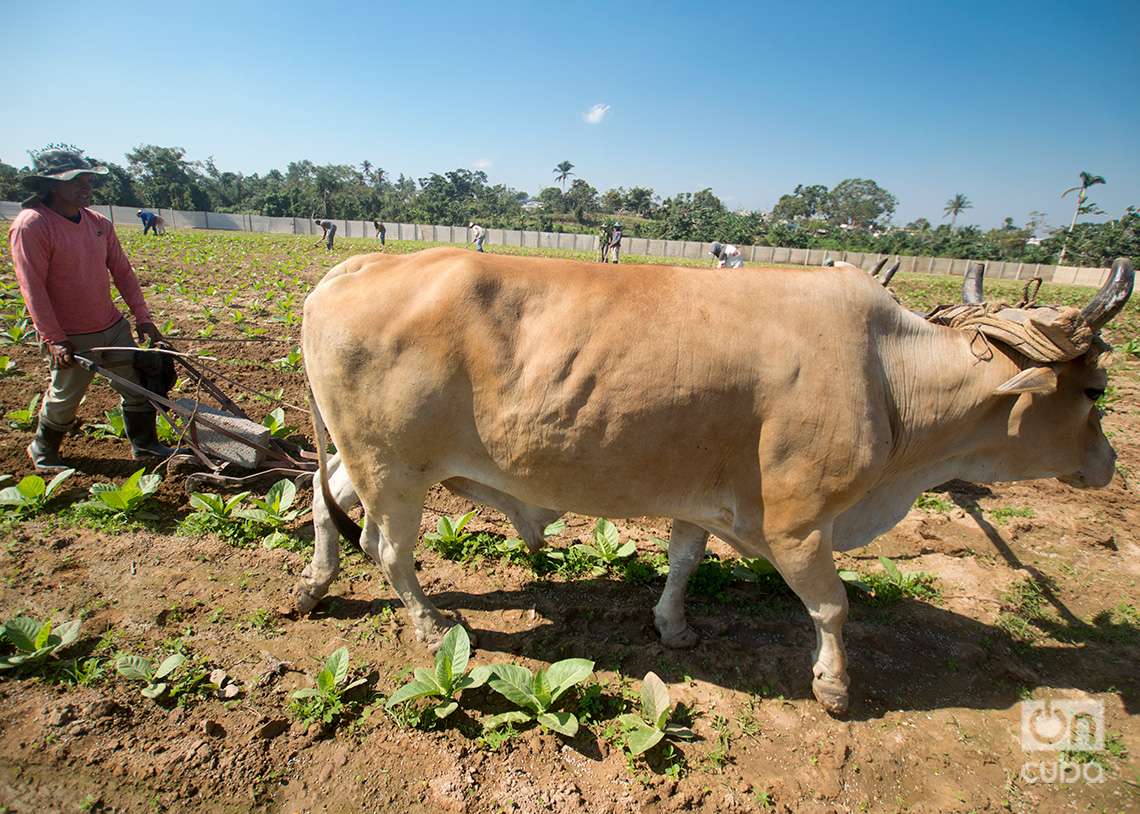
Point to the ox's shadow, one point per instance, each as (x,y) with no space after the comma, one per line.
(905,656)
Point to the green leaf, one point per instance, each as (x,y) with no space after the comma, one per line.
(443,710)
(169,665)
(855,580)
(21,632)
(56,481)
(606,535)
(209,503)
(131,484)
(326,681)
(337,664)
(452,656)
(411,690)
(464,520)
(32,487)
(565,723)
(135,668)
(681,733)
(639,736)
(626,550)
(281,495)
(444,528)
(148,484)
(305,692)
(654,700)
(67,632)
(541,689)
(555,528)
(43,635)
(892,570)
(235,501)
(513,717)
(11,496)
(514,683)
(154,690)
(478,676)
(562,675)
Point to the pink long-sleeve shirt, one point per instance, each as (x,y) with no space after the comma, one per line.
(62,269)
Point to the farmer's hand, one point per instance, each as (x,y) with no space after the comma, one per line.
(147,330)
(62,354)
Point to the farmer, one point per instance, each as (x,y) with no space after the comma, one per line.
(328,232)
(615,241)
(152,222)
(603,242)
(63,252)
(381,231)
(727,255)
(478,235)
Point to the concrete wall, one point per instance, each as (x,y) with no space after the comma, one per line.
(691,249)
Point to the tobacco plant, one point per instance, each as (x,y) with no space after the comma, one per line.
(31,494)
(449,677)
(537,693)
(650,725)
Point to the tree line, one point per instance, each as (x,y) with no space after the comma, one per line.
(853,215)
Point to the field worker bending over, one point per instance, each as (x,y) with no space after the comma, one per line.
(478,235)
(152,222)
(727,256)
(328,232)
(63,252)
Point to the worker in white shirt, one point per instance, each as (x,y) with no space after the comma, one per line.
(478,235)
(727,256)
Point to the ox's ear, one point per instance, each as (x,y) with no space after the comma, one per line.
(1030,380)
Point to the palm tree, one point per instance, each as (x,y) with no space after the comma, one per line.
(562,172)
(955,206)
(1082,191)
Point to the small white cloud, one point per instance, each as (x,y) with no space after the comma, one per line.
(595,114)
(481,164)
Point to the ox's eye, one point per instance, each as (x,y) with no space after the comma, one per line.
(1094,393)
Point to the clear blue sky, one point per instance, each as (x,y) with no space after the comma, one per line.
(1003,101)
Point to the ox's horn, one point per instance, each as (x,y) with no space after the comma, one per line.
(1113,296)
(972,284)
(879,267)
(891,273)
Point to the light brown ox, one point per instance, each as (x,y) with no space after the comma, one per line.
(790,413)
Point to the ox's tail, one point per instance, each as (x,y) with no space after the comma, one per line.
(344,524)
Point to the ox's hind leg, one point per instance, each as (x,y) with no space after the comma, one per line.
(686,550)
(390,533)
(322,570)
(806,564)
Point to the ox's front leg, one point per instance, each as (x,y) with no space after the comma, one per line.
(806,564)
(686,550)
(325,565)
(390,540)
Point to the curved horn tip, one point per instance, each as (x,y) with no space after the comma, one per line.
(973,283)
(891,272)
(879,266)
(1113,295)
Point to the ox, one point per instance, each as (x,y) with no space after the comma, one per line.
(791,413)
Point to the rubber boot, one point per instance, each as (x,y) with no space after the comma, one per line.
(44,449)
(139,425)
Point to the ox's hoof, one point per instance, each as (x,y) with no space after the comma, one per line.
(682,640)
(831,693)
(433,637)
(304,600)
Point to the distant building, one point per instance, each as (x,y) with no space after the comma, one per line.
(532,204)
